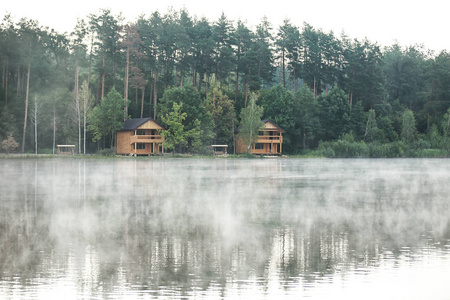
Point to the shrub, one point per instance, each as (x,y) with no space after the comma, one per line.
(107,152)
(9,144)
(389,150)
(345,148)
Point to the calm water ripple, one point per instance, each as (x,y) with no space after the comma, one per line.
(224,229)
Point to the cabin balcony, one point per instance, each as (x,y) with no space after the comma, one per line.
(147,139)
(273,139)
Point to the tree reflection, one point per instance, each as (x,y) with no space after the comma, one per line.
(154,228)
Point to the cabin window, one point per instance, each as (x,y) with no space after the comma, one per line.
(140,146)
(259,146)
(261,133)
(140,132)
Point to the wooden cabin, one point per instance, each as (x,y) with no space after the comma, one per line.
(140,137)
(269,142)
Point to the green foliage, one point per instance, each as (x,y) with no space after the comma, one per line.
(446,130)
(344,148)
(387,150)
(176,57)
(438,94)
(307,120)
(175,136)
(106,118)
(434,137)
(386,125)
(7,123)
(196,116)
(364,78)
(357,122)
(222,112)
(250,122)
(281,107)
(107,152)
(405,75)
(372,132)
(409,132)
(334,114)
(197,139)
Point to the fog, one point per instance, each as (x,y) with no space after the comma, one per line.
(223,228)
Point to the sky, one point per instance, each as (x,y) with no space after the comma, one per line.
(384,21)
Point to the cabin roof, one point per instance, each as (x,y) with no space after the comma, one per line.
(132,124)
(278,127)
(265,122)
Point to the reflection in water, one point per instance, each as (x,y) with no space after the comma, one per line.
(224,228)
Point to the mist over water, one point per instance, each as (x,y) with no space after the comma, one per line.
(224,229)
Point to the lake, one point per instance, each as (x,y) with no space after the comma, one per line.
(224,228)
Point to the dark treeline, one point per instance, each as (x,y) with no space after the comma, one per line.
(336,95)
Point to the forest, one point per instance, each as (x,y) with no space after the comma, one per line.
(334,96)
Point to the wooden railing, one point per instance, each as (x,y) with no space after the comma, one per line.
(147,139)
(270,139)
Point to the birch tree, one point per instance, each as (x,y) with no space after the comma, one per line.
(35,116)
(77,109)
(251,122)
(30,32)
(88,100)
(79,51)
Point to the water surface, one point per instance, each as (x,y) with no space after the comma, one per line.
(224,229)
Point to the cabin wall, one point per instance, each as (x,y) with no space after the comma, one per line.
(123,145)
(240,146)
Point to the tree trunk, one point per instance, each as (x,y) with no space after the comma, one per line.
(18,81)
(98,90)
(26,108)
(84,118)
(90,61)
(314,87)
(206,85)
(155,95)
(78,108)
(351,99)
(295,82)
(103,76)
(142,100)
(54,129)
(5,81)
(246,93)
(35,118)
(176,76)
(194,78)
(125,93)
(236,86)
(200,81)
(283,70)
(136,91)
(3,74)
(181,79)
